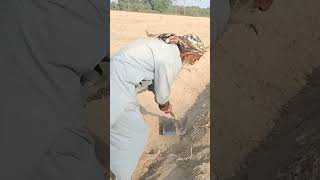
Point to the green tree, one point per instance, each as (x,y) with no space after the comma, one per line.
(134,5)
(114,5)
(123,4)
(160,5)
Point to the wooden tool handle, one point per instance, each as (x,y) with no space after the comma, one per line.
(173,115)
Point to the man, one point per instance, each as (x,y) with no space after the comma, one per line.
(157,60)
(45,48)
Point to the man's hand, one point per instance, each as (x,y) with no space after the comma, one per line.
(166,108)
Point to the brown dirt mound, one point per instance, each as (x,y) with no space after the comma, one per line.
(292,149)
(190,157)
(259,65)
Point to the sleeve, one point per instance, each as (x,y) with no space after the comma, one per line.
(165,74)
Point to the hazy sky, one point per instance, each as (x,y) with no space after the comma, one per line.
(201,3)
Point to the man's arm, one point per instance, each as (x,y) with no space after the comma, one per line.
(165,74)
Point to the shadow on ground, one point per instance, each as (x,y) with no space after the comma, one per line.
(292,149)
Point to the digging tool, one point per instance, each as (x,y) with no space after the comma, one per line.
(172,127)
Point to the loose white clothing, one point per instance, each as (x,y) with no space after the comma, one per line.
(145,59)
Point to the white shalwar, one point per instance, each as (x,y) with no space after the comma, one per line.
(145,59)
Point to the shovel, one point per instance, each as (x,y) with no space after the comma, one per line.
(172,127)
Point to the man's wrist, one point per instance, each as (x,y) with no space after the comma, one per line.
(164,106)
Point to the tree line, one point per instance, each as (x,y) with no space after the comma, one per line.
(159,6)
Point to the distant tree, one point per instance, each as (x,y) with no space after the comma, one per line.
(146,5)
(123,4)
(134,5)
(160,5)
(175,6)
(150,3)
(114,5)
(184,7)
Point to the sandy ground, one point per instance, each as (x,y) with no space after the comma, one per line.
(192,81)
(248,100)
(189,158)
(260,63)
(127,26)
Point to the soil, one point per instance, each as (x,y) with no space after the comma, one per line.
(189,158)
(292,149)
(265,105)
(260,68)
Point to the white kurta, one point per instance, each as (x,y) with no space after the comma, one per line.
(144,59)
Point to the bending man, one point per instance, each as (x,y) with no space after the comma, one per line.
(155,60)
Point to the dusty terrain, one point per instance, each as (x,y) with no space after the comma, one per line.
(260,64)
(291,150)
(189,158)
(189,98)
(265,124)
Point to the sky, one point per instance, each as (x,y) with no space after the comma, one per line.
(201,3)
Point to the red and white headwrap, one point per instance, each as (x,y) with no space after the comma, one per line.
(189,42)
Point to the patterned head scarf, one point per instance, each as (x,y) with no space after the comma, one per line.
(187,43)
